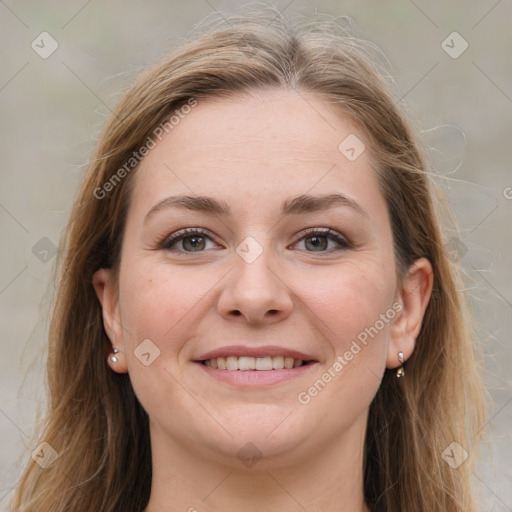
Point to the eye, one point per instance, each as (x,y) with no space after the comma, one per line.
(196,240)
(190,240)
(318,240)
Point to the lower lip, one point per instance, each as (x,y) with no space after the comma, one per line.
(257,377)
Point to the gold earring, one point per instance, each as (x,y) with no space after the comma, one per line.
(400,371)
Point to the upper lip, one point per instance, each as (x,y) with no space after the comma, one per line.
(252,351)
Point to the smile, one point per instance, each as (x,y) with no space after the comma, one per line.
(245,363)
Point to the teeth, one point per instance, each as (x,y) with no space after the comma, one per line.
(232,363)
(277,362)
(263,363)
(245,363)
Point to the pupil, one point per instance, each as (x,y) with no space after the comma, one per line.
(195,241)
(318,242)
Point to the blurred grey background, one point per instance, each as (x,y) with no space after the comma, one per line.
(63,65)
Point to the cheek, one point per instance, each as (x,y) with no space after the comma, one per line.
(350,301)
(355,306)
(156,305)
(153,302)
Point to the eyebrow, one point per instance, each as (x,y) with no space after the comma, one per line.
(297,205)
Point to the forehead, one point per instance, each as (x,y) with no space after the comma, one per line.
(262,145)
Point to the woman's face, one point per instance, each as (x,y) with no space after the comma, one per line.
(257,182)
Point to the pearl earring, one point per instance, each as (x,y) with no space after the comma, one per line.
(400,371)
(114,359)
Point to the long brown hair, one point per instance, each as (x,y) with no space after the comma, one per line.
(94,421)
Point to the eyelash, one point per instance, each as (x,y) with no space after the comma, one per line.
(167,243)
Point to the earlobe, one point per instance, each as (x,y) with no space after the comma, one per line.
(104,284)
(414,297)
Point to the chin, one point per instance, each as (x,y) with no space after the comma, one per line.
(254,445)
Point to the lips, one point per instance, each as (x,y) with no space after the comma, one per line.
(256,372)
(251,366)
(255,352)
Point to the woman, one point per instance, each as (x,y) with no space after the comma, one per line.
(256,311)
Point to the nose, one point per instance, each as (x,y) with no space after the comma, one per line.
(255,292)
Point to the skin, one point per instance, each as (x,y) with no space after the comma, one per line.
(254,152)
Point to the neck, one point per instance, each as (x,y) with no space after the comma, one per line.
(328,479)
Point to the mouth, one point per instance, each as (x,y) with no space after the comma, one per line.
(250,367)
(247,363)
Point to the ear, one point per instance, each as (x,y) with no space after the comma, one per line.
(413,297)
(104,283)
